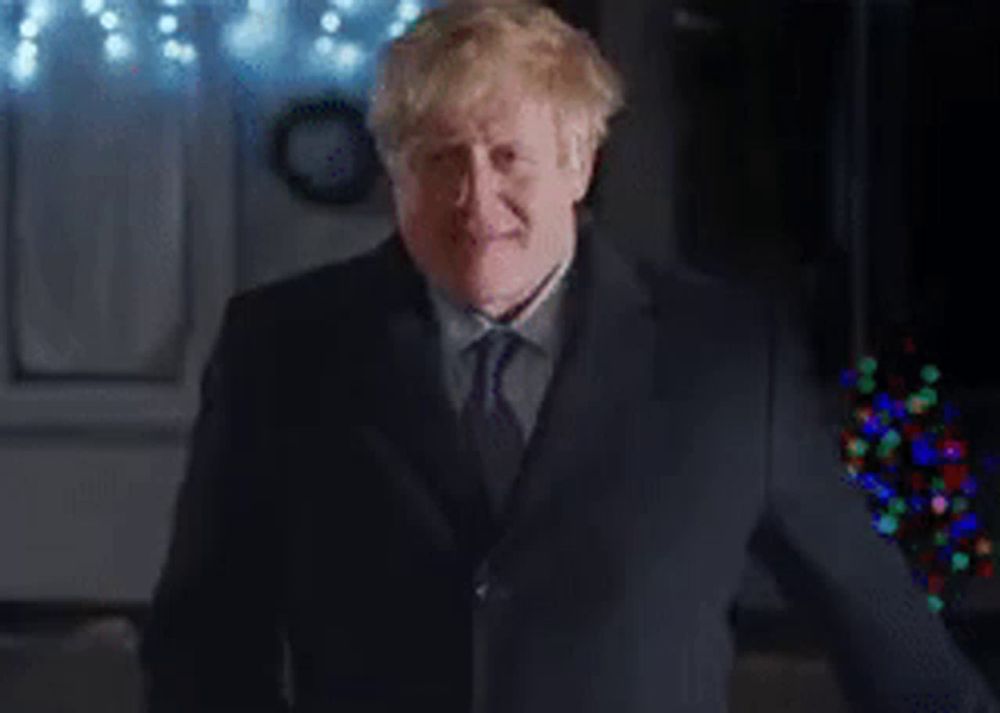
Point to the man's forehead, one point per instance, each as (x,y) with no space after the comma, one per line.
(490,120)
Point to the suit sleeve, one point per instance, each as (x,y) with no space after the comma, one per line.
(890,652)
(212,642)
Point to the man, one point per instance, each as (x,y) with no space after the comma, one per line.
(487,468)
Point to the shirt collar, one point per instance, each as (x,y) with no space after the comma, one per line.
(539,323)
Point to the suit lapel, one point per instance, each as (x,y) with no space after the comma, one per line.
(604,374)
(402,397)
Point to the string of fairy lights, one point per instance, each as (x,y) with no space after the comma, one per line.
(334,39)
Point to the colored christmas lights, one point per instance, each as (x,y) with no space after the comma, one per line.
(901,444)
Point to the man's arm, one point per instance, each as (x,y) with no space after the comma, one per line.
(890,651)
(212,642)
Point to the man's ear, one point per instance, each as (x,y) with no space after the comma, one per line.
(582,159)
(580,154)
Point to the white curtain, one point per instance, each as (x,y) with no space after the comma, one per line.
(98,230)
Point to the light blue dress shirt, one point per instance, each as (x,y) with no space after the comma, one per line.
(542,326)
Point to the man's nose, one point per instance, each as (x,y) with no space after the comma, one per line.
(477,188)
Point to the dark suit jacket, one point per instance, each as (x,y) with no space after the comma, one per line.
(327,505)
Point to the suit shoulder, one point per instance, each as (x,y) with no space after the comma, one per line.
(775,310)
(302,297)
(713,302)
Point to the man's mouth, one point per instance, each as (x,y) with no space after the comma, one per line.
(491,236)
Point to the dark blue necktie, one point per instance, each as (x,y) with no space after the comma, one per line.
(488,420)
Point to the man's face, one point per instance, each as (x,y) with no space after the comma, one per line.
(483,206)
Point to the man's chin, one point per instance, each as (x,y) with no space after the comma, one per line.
(489,298)
(477,241)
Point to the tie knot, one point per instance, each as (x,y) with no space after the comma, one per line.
(493,352)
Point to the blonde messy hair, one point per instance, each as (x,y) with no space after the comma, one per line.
(452,56)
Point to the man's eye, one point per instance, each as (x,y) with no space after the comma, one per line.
(439,157)
(507,156)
